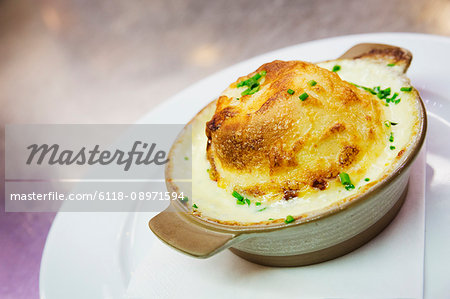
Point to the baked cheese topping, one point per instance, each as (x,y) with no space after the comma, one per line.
(293,139)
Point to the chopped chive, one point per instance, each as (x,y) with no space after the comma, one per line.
(243,83)
(406,88)
(391,137)
(251,83)
(270,218)
(250,90)
(392,147)
(240,200)
(257,77)
(365,88)
(260,210)
(290,91)
(392,99)
(184,199)
(345,180)
(382,94)
(289,219)
(303,96)
(237,195)
(195,206)
(391,64)
(367,179)
(186,158)
(237,99)
(208,170)
(257,203)
(312,83)
(336,68)
(390,123)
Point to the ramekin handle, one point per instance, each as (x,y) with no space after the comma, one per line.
(392,54)
(174,229)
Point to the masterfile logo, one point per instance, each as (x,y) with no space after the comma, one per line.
(89,167)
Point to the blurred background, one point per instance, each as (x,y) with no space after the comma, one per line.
(97,61)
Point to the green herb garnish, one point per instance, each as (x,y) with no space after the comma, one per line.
(252,84)
(390,123)
(260,210)
(365,88)
(345,180)
(367,179)
(303,96)
(257,203)
(237,195)
(393,99)
(185,199)
(290,91)
(406,89)
(392,147)
(289,219)
(391,64)
(312,83)
(195,206)
(336,68)
(270,218)
(186,158)
(250,90)
(240,200)
(250,81)
(391,137)
(382,94)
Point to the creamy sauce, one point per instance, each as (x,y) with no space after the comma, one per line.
(217,203)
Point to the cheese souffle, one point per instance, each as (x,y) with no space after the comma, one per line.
(293,139)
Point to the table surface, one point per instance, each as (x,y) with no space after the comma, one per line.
(103,61)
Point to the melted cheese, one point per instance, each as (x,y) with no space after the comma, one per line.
(217,204)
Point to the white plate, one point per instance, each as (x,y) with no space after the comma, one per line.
(92,255)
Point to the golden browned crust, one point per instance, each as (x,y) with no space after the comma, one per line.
(271,142)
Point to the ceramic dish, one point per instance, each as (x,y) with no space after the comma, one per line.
(322,236)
